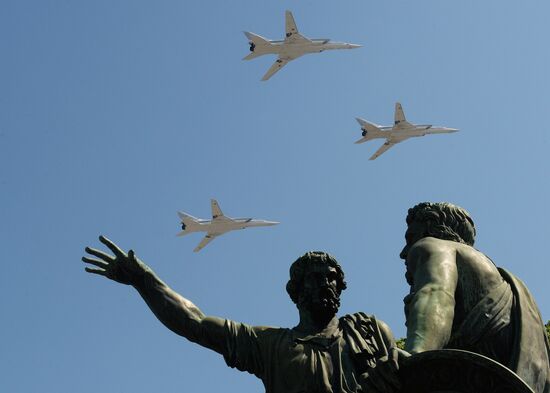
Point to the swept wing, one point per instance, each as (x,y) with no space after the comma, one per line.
(382,149)
(399,118)
(216,210)
(279,63)
(205,240)
(291,31)
(290,24)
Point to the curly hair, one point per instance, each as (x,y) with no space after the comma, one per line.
(300,266)
(444,221)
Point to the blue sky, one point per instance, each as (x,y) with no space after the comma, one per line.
(116,114)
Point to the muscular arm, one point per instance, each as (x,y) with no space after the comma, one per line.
(432,264)
(173,310)
(179,314)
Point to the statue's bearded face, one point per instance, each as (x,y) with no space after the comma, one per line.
(416,230)
(320,294)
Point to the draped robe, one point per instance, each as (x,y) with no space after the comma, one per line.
(288,361)
(506,326)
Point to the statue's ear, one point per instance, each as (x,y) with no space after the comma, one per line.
(429,228)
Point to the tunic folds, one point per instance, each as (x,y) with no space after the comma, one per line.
(290,362)
(506,326)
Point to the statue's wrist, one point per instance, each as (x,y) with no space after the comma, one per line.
(144,278)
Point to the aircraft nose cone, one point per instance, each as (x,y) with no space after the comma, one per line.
(353,46)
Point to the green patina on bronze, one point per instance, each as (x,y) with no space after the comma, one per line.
(323,353)
(460,299)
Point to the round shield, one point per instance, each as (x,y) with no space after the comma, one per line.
(454,371)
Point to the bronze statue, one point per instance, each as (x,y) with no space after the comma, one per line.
(322,353)
(460,299)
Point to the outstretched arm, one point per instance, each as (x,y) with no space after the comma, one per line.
(431,309)
(173,310)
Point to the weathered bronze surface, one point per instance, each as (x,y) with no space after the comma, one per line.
(323,353)
(460,299)
(471,326)
(458,371)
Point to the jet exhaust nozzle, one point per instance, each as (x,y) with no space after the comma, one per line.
(252,46)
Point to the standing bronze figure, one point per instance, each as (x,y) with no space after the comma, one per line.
(322,354)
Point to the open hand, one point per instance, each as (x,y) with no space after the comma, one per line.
(123,268)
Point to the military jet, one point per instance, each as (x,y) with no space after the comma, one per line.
(400,131)
(293,46)
(218,225)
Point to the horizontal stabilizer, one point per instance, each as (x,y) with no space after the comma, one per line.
(187,217)
(256,39)
(368,126)
(182,233)
(252,55)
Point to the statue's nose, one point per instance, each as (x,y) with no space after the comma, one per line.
(403,254)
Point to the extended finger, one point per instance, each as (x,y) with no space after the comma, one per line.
(101,272)
(112,246)
(96,262)
(100,254)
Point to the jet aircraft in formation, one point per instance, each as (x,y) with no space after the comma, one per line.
(293,46)
(400,131)
(218,225)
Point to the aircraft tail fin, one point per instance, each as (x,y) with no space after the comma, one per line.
(187,222)
(369,130)
(258,45)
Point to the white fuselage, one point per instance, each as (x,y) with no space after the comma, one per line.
(225,225)
(418,130)
(293,50)
(393,134)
